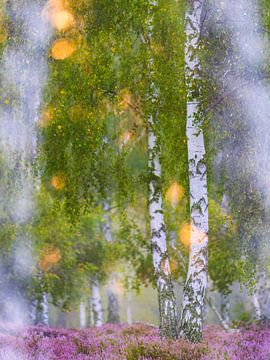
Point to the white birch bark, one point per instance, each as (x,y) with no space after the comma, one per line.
(82,315)
(33,311)
(260,298)
(129,304)
(91,312)
(96,304)
(263,293)
(107,225)
(225,308)
(166,298)
(257,306)
(129,309)
(222,321)
(42,310)
(196,283)
(113,303)
(45,306)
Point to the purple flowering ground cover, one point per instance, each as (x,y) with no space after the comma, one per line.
(134,342)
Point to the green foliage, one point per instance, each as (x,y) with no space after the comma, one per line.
(99,95)
(225,260)
(242,315)
(68,256)
(93,147)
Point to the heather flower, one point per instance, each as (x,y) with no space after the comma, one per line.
(135,342)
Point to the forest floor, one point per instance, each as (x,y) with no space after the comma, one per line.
(139,341)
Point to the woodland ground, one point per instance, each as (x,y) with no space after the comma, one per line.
(134,342)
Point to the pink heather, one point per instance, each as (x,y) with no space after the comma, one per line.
(136,342)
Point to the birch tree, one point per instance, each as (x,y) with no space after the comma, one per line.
(42,310)
(196,282)
(129,304)
(260,297)
(82,315)
(96,304)
(113,304)
(166,298)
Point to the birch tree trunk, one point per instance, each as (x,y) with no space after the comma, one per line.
(42,310)
(222,321)
(91,313)
(257,306)
(33,311)
(196,282)
(113,303)
(264,293)
(82,315)
(129,304)
(225,308)
(107,225)
(166,298)
(45,308)
(113,306)
(96,304)
(259,299)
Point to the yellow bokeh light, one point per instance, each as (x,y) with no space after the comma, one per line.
(49,258)
(188,232)
(173,265)
(58,182)
(53,5)
(118,288)
(125,138)
(185,234)
(45,118)
(62,20)
(124,100)
(62,48)
(56,12)
(174,193)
